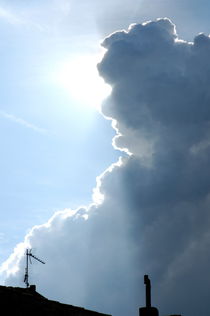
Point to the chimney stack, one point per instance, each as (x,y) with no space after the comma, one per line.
(148,310)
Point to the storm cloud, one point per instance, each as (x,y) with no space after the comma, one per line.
(154,218)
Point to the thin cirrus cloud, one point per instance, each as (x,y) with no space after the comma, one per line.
(19,18)
(22,122)
(10,17)
(154,217)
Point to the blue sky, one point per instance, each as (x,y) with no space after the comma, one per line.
(55,142)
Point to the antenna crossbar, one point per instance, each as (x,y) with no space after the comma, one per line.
(30,254)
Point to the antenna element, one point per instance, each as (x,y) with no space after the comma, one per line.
(29,255)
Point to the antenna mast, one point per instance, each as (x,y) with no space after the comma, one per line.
(28,258)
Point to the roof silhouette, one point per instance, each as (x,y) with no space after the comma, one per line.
(26,301)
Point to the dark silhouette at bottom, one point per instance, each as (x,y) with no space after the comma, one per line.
(27,302)
(148,310)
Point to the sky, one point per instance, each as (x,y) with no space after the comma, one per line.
(104,118)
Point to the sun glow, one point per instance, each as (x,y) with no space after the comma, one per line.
(82,81)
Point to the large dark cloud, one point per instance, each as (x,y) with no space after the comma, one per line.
(161,97)
(155,215)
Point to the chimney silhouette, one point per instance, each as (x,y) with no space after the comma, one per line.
(148,310)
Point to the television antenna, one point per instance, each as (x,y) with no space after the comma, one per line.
(29,255)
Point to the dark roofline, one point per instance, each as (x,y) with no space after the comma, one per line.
(31,293)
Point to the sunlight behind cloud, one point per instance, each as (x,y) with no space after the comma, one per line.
(80,77)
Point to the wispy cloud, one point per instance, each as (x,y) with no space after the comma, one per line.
(23,19)
(10,17)
(22,122)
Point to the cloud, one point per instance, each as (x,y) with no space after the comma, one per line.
(22,122)
(154,215)
(16,15)
(10,17)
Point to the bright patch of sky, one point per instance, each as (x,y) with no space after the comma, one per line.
(53,140)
